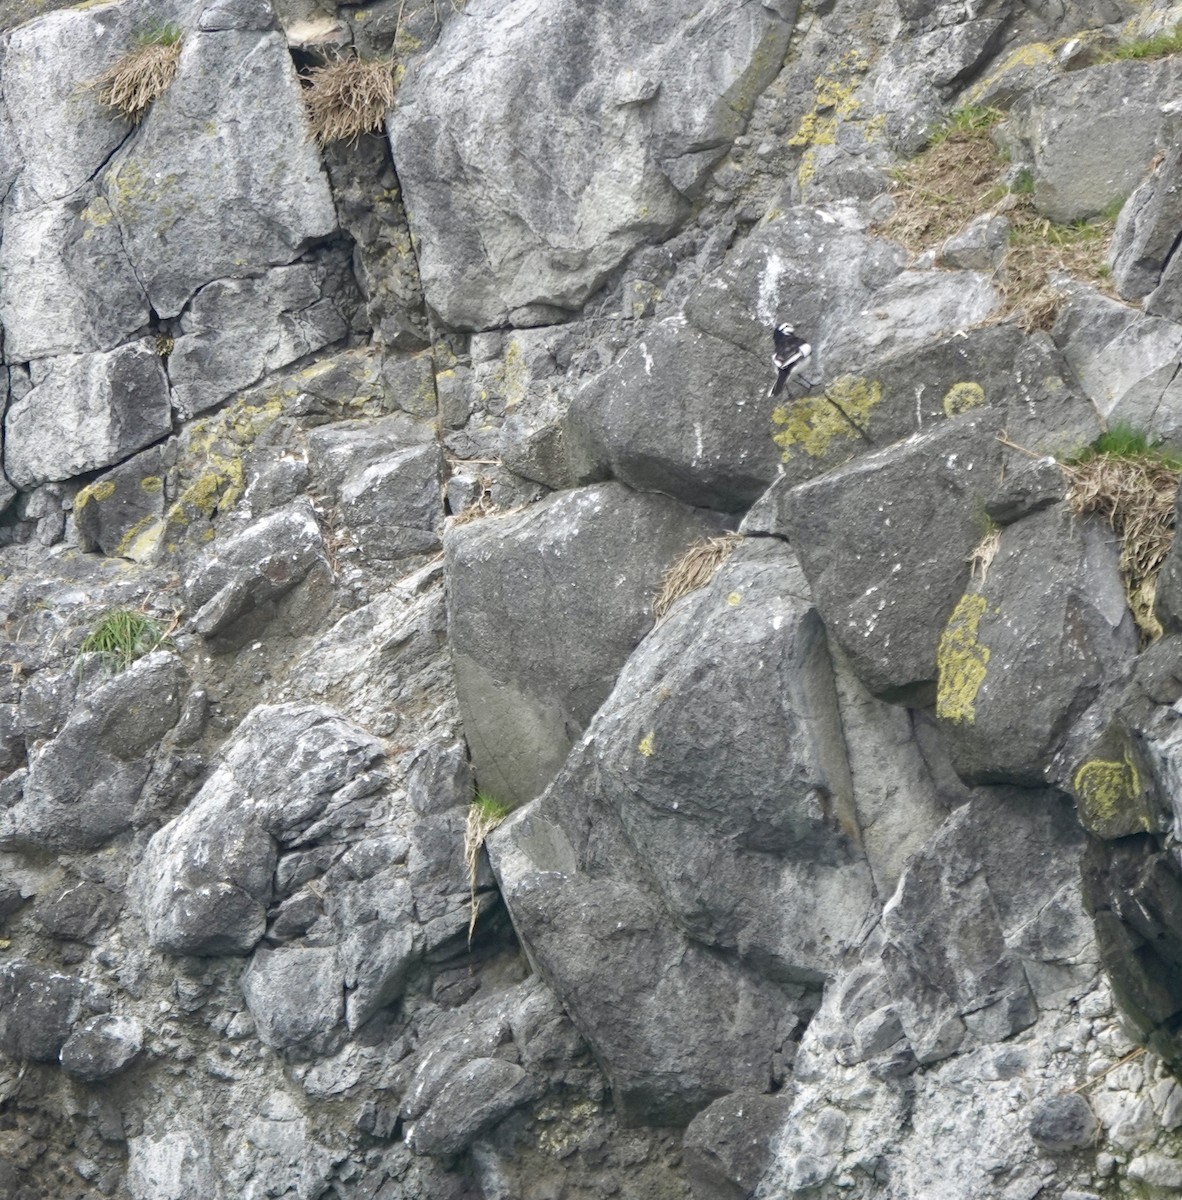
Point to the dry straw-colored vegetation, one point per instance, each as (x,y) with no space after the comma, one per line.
(693,570)
(960,176)
(348,97)
(484,815)
(1132,483)
(142,74)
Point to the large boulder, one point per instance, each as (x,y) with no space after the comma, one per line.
(1147,231)
(221,177)
(38,1008)
(1030,647)
(86,411)
(525,190)
(544,608)
(1089,136)
(83,786)
(885,544)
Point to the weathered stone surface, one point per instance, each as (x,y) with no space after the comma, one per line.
(393,507)
(1089,135)
(101,1047)
(347,448)
(1063,1123)
(69,284)
(980,245)
(582,565)
(38,1008)
(1006,700)
(294,994)
(177,1165)
(741,811)
(885,543)
(207,877)
(1147,231)
(1126,362)
(86,411)
(83,786)
(500,235)
(235,331)
(221,175)
(728,1145)
(111,514)
(253,568)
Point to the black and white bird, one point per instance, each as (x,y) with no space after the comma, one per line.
(790,350)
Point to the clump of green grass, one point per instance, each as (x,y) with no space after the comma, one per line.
(348,97)
(485,813)
(972,121)
(121,636)
(1131,480)
(143,73)
(1158,46)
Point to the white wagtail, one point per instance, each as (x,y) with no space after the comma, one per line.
(790,350)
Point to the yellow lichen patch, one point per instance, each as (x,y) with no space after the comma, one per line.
(960,397)
(151,484)
(734,598)
(1022,59)
(96,214)
(142,540)
(1107,792)
(646,745)
(961,662)
(815,130)
(104,489)
(812,423)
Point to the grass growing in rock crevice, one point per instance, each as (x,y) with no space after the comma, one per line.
(961,176)
(693,570)
(1160,45)
(348,97)
(1132,482)
(121,636)
(143,74)
(485,813)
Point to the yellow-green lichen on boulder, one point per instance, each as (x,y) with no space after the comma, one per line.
(960,397)
(1110,796)
(814,423)
(961,661)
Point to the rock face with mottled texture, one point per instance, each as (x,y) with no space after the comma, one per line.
(546,211)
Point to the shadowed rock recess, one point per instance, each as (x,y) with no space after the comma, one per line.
(338,486)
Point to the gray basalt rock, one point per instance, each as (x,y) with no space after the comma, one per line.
(1126,362)
(1007,701)
(583,566)
(86,411)
(980,245)
(111,513)
(235,331)
(38,1008)
(83,786)
(393,508)
(501,236)
(885,544)
(1063,1123)
(255,567)
(221,177)
(1090,135)
(728,1145)
(294,995)
(1147,231)
(207,877)
(69,284)
(741,811)
(101,1047)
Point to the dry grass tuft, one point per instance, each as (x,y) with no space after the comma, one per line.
(139,77)
(348,97)
(484,815)
(693,570)
(1136,496)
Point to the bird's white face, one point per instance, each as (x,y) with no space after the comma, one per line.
(785,328)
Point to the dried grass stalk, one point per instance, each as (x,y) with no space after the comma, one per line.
(1136,496)
(984,553)
(348,97)
(139,77)
(484,815)
(696,567)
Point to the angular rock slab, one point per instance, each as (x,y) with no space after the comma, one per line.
(1147,230)
(83,786)
(1026,651)
(885,543)
(516,212)
(207,877)
(1090,135)
(721,751)
(221,177)
(544,608)
(86,411)
(38,1008)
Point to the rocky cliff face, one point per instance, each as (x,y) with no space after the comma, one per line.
(339,485)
